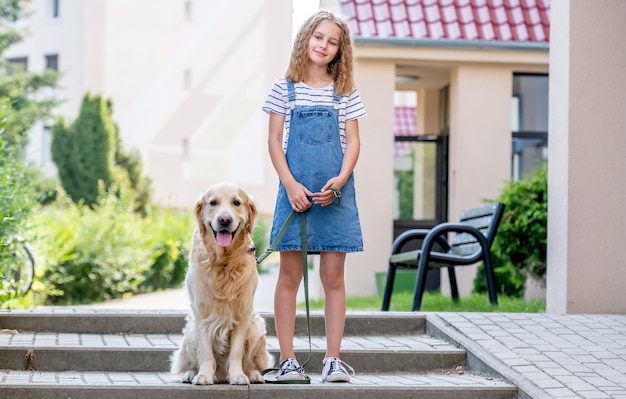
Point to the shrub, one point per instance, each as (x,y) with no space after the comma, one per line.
(520,246)
(16,199)
(108,251)
(84,152)
(169,237)
(16,196)
(91,150)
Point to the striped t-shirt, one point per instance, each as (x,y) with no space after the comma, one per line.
(350,106)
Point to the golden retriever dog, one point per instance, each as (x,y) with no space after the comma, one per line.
(224,339)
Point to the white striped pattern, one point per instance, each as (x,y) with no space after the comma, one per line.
(350,106)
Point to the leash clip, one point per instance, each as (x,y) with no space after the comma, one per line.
(337,193)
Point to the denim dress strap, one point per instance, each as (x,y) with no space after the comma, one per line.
(314,155)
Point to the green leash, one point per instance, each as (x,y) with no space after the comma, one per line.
(305,273)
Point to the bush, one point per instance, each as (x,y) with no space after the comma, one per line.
(91,150)
(108,251)
(16,199)
(16,196)
(520,246)
(84,151)
(260,237)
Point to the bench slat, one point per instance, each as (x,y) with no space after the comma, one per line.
(481,222)
(405,258)
(464,238)
(478,212)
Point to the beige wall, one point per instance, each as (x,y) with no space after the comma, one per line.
(479,144)
(586,255)
(480,129)
(427,120)
(374,176)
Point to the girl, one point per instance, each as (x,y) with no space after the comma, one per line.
(317,106)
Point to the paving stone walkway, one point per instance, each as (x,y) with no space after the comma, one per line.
(548,356)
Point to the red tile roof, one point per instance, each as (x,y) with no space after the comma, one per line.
(404,121)
(404,125)
(484,20)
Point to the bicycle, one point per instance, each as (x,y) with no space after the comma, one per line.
(17,268)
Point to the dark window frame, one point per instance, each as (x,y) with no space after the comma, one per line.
(19,61)
(52,61)
(525,135)
(55,7)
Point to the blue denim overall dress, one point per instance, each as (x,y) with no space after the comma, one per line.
(314,155)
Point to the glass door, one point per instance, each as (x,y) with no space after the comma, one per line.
(421,181)
(420,174)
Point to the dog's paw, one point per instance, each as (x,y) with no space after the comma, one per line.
(187,376)
(238,379)
(203,379)
(256,377)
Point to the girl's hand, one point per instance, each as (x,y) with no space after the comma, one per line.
(298,197)
(326,196)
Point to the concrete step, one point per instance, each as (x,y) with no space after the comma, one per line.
(116,385)
(83,353)
(80,320)
(150,352)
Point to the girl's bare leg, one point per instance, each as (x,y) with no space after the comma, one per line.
(289,278)
(332,276)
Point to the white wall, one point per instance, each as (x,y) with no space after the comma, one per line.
(172,80)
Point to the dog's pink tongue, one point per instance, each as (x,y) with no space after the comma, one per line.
(224,238)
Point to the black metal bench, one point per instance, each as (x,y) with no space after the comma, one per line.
(471,243)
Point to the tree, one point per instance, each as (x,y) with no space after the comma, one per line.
(29,93)
(520,246)
(90,150)
(16,201)
(84,152)
(16,197)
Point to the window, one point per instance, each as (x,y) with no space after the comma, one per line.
(18,64)
(529,123)
(188,11)
(52,9)
(186,149)
(52,61)
(418,165)
(187,79)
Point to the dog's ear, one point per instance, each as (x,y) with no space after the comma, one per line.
(252,213)
(198,213)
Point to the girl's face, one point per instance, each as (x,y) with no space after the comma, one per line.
(324,43)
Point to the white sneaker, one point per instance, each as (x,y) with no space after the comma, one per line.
(335,370)
(290,370)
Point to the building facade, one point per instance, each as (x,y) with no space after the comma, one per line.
(475,76)
(447,86)
(187,79)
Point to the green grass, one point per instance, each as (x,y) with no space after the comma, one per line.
(436,302)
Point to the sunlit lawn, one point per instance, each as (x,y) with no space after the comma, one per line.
(436,302)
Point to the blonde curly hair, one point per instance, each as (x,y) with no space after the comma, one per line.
(340,68)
